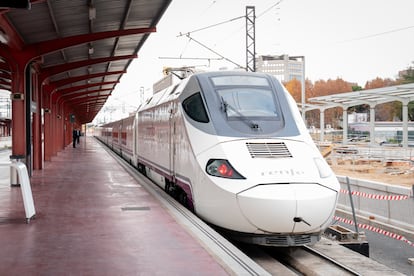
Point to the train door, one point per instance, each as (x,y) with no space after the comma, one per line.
(172,141)
(135,140)
(120,136)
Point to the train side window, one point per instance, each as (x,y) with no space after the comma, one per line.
(194,107)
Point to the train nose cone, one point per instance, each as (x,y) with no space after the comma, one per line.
(294,208)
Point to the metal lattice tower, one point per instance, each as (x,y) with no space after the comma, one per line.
(250,39)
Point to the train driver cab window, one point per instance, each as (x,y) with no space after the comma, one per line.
(194,108)
(246,96)
(251,102)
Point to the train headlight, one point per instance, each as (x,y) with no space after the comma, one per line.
(323,168)
(222,168)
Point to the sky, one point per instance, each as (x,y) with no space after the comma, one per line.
(354,40)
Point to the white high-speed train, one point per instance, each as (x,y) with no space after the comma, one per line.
(233,147)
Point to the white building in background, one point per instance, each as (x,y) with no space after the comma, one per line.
(357,117)
(284,67)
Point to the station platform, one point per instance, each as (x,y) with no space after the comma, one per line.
(93,218)
(5,143)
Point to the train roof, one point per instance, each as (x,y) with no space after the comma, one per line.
(174,89)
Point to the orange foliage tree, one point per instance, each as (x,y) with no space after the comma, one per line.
(384,112)
(295,89)
(333,116)
(387,111)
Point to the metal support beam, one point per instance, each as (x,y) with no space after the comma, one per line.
(303,88)
(250,39)
(345,125)
(322,124)
(372,124)
(405,124)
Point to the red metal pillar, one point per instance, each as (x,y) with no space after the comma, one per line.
(18,110)
(48,124)
(68,126)
(37,125)
(61,128)
(48,136)
(57,119)
(21,94)
(53,118)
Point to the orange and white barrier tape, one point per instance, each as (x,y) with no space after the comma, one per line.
(376,229)
(374,196)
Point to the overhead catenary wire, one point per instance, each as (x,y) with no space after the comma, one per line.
(210,26)
(229,20)
(208,48)
(257,17)
(185,48)
(377,34)
(268,9)
(218,24)
(204,12)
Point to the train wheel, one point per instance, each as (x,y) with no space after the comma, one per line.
(167,186)
(183,198)
(141,169)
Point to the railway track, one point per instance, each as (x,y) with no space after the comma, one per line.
(296,261)
(308,261)
(331,262)
(324,258)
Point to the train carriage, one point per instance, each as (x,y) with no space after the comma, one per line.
(233,147)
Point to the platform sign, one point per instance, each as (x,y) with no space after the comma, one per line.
(72,118)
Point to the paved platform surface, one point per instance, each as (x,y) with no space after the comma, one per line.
(5,143)
(93,218)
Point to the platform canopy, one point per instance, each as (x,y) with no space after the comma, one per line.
(403,93)
(80,48)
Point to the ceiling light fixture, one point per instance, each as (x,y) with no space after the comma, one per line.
(90,49)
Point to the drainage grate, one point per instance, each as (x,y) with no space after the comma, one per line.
(135,208)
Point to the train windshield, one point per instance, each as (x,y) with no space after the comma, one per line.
(247,102)
(246,97)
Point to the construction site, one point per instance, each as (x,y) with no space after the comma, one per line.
(386,164)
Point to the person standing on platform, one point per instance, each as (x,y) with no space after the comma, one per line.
(75,137)
(78,135)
